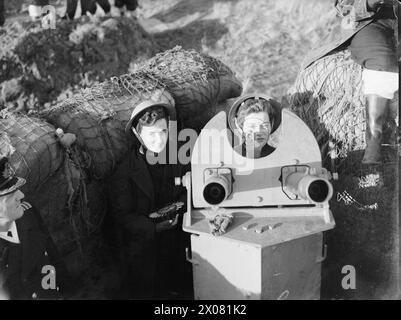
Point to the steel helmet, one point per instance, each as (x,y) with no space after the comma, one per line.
(147,104)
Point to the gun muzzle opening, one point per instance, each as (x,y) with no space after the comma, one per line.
(310,187)
(318,191)
(217,189)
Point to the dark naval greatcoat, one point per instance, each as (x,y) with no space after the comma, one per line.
(22,264)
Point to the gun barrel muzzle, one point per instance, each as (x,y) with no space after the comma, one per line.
(310,187)
(217,189)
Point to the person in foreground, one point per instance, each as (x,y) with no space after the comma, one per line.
(143,193)
(30,265)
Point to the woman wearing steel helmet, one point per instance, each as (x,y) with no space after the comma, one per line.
(152,248)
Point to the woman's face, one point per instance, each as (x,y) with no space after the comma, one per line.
(155,137)
(256,128)
(10,207)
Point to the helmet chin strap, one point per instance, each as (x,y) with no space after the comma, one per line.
(142,148)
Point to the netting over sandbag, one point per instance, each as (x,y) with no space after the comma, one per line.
(71,206)
(37,151)
(99,114)
(196,81)
(328,97)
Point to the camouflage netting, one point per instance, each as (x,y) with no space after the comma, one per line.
(40,66)
(73,209)
(196,81)
(38,154)
(328,97)
(366,235)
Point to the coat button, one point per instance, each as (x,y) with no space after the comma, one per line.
(34,295)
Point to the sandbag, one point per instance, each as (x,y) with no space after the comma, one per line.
(197,82)
(73,210)
(38,155)
(71,206)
